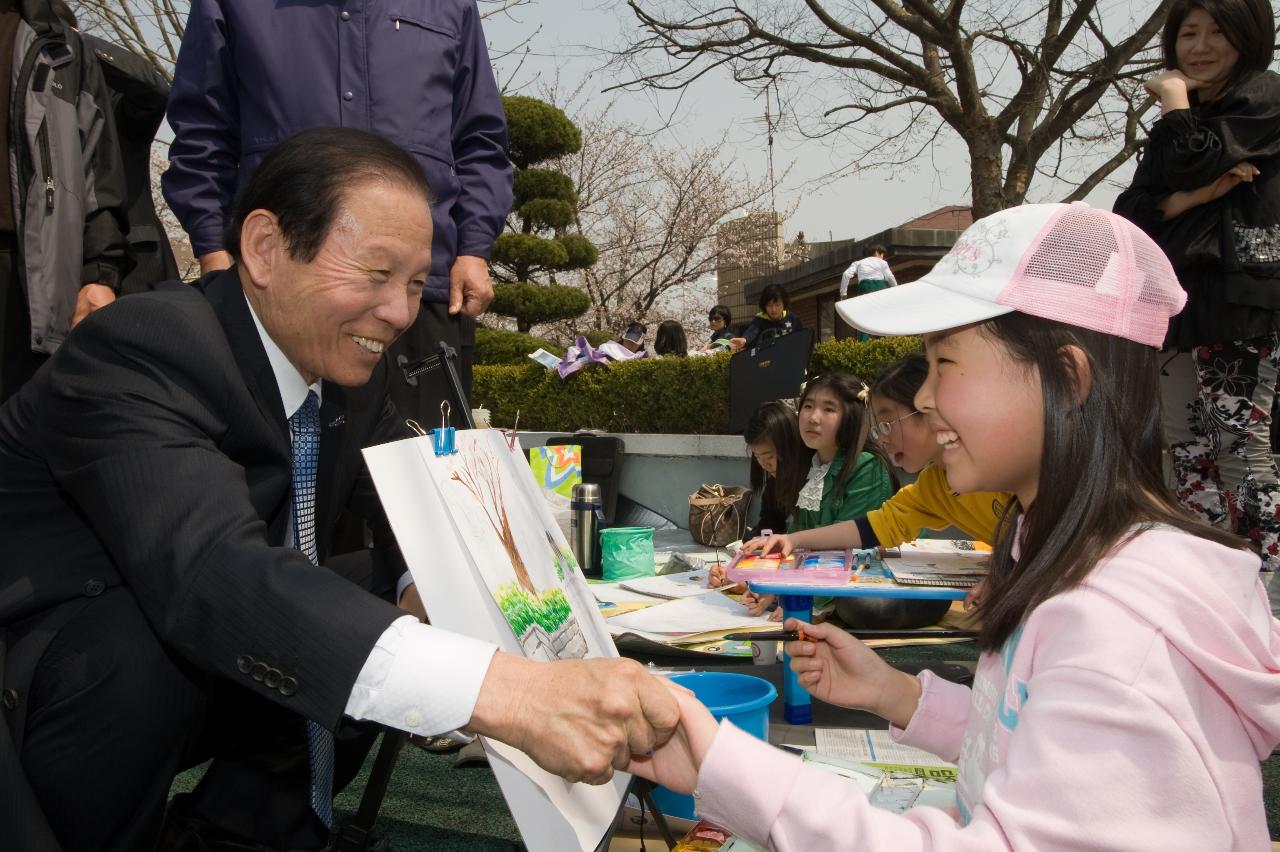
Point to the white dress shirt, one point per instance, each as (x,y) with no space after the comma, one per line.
(418,678)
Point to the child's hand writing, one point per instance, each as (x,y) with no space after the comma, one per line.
(719,576)
(839,669)
(757,604)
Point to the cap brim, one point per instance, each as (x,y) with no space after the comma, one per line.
(915,308)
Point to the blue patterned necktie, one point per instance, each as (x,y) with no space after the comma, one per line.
(305,426)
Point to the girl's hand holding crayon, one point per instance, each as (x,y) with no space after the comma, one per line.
(838,669)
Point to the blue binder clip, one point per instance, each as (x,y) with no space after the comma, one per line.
(443,440)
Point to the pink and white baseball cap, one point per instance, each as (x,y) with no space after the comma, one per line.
(1065,262)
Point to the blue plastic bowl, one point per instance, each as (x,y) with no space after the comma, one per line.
(742,699)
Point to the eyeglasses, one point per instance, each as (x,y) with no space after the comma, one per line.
(881,430)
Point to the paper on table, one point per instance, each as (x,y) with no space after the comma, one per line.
(615,594)
(687,585)
(689,616)
(866,746)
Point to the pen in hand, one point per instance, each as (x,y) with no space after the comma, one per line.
(768,636)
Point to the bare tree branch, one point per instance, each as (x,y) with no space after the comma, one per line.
(1012,81)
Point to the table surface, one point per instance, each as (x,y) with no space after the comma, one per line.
(856,589)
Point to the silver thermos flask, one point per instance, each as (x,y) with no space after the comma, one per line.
(587,510)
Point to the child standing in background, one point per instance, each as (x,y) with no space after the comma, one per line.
(1129,681)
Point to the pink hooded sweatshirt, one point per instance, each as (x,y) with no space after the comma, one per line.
(1128,713)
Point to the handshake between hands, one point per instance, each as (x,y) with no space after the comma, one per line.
(584,719)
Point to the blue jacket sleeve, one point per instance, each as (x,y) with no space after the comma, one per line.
(479,144)
(205,116)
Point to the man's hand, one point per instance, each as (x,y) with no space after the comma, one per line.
(580,719)
(214,261)
(90,298)
(470,290)
(676,763)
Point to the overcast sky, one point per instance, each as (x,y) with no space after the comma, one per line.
(565,48)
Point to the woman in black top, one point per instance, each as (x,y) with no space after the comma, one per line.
(1207,191)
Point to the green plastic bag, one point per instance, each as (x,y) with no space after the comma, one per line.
(626,552)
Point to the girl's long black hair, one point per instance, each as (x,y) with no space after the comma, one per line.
(854,435)
(775,423)
(1101,479)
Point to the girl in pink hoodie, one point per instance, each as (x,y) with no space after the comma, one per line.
(1129,682)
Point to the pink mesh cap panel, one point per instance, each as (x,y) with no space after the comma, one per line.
(1096,270)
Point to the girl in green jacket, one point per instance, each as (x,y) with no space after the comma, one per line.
(849,475)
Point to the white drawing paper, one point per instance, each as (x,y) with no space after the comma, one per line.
(689,616)
(443,555)
(689,584)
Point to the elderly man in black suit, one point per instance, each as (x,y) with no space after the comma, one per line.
(164,594)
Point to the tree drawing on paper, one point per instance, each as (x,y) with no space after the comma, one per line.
(542,620)
(479,475)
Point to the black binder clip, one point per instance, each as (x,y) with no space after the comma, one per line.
(443,440)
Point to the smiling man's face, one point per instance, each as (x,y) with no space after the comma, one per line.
(335,315)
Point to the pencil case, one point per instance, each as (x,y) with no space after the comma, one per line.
(811,567)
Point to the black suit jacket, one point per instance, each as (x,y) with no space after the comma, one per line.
(153,452)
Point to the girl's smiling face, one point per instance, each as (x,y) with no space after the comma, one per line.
(908,440)
(820,416)
(986,413)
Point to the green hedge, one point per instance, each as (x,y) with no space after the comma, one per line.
(672,395)
(862,358)
(498,346)
(664,395)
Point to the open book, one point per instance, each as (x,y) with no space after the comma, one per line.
(952,567)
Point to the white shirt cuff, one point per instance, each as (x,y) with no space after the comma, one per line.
(420,678)
(405,581)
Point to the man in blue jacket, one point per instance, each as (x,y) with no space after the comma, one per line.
(250,74)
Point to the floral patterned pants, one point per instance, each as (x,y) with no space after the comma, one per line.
(1225,472)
